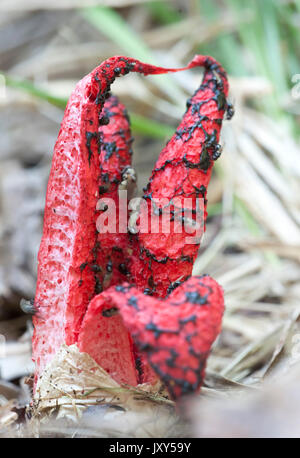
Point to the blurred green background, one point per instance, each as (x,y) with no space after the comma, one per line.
(250,38)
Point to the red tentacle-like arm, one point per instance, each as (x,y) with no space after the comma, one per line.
(176,192)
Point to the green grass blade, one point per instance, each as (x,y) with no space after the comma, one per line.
(253,38)
(163,12)
(111,24)
(154,129)
(30,88)
(225,47)
(247,217)
(254,229)
(214,209)
(139,124)
(269,23)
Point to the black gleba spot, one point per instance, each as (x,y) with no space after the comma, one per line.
(195,298)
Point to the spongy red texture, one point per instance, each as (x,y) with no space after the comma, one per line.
(174,334)
(105,338)
(69,232)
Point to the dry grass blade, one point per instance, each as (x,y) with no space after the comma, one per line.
(197,31)
(265,168)
(284,343)
(266,207)
(218,243)
(217,382)
(254,355)
(280,249)
(274,139)
(250,266)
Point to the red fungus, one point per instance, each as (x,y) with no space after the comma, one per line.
(76,263)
